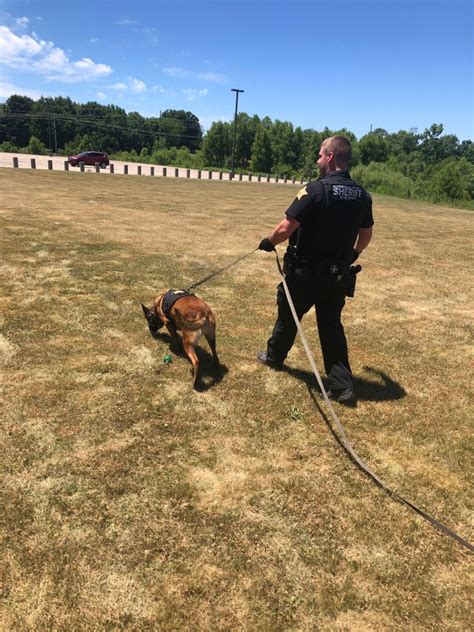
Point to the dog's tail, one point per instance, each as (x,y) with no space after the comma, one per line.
(195,320)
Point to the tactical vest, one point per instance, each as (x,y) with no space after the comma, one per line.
(170,298)
(332,232)
(340,192)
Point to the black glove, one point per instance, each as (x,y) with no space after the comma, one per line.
(355,256)
(266,245)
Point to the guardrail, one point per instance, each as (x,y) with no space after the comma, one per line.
(154,170)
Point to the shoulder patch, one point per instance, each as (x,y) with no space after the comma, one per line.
(302,192)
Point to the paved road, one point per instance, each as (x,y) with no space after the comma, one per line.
(42,162)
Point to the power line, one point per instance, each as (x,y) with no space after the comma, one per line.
(98,123)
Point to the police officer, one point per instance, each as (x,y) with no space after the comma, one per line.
(328,225)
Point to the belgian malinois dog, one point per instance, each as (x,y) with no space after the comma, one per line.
(190,315)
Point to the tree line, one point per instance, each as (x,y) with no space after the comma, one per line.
(428,165)
(63,125)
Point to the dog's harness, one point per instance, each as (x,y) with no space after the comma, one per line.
(170,298)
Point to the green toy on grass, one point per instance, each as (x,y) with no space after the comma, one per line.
(167,360)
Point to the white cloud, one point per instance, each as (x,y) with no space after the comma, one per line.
(28,52)
(94,40)
(16,49)
(137,85)
(101,96)
(22,22)
(134,85)
(191,93)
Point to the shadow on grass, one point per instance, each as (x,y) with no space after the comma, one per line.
(382,390)
(209,374)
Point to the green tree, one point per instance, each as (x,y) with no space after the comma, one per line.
(452,179)
(380,131)
(246,131)
(35,146)
(283,145)
(181,129)
(8,147)
(3,126)
(90,142)
(54,121)
(171,129)
(298,148)
(159,144)
(137,133)
(311,146)
(262,160)
(466,150)
(92,122)
(373,148)
(115,123)
(435,148)
(402,143)
(217,145)
(153,128)
(17,112)
(381,178)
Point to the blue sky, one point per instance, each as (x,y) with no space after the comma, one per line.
(396,64)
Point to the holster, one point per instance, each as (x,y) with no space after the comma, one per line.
(353,272)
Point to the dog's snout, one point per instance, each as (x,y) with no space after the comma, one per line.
(154,322)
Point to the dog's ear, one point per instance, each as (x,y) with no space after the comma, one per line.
(146,311)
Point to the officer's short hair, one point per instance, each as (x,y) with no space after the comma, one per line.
(341,148)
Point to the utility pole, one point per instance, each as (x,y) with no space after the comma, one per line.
(55,136)
(236,90)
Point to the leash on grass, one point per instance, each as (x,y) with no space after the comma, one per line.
(343,437)
(213,274)
(345,441)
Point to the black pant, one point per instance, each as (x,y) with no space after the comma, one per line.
(328,298)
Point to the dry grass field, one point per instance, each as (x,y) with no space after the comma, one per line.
(132,502)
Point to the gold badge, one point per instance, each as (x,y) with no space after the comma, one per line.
(302,192)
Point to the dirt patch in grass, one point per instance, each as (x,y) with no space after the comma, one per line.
(133,502)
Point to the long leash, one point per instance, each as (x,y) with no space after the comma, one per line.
(213,274)
(343,437)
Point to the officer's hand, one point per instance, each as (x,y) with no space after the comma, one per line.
(266,245)
(355,256)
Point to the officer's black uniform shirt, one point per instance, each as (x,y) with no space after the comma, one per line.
(330,210)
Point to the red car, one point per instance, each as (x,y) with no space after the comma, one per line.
(89,158)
